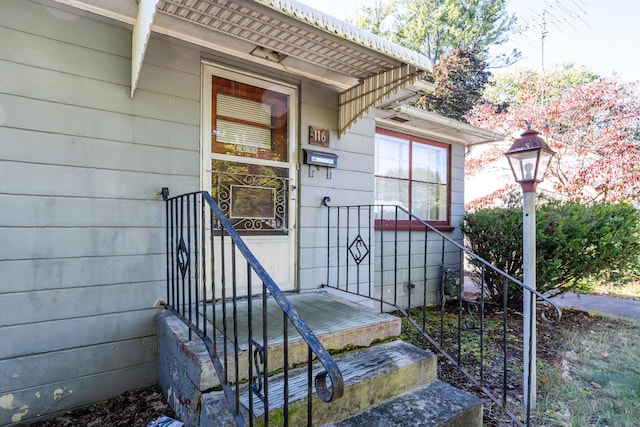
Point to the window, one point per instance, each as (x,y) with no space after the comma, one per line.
(413,172)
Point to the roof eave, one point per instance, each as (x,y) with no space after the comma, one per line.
(366,69)
(439,128)
(348,32)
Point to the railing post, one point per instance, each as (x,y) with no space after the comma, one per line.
(165,196)
(174,273)
(371,282)
(346,252)
(325,203)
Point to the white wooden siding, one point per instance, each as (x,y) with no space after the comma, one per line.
(457,190)
(352,183)
(82,256)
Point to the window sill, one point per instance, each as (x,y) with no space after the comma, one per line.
(392,225)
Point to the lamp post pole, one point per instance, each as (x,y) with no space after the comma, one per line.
(529,158)
(528,302)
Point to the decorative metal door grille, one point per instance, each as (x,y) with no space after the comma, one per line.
(253,203)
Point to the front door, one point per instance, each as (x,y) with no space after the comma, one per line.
(249,166)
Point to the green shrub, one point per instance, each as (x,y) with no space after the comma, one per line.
(576,245)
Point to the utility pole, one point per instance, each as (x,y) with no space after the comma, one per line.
(561,15)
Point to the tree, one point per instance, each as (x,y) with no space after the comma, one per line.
(460,80)
(373,19)
(524,85)
(435,27)
(454,34)
(592,123)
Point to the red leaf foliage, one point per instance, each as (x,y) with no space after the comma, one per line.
(593,127)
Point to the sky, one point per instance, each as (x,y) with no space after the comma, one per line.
(603,35)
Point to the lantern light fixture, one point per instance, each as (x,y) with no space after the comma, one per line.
(529,158)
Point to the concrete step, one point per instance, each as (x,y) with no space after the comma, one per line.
(371,375)
(434,404)
(338,324)
(186,371)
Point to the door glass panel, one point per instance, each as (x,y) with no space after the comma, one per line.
(248,121)
(248,139)
(252,202)
(253,197)
(243,109)
(235,130)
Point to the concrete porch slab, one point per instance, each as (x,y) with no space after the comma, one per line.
(337,322)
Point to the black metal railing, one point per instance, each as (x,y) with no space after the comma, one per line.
(391,256)
(208,267)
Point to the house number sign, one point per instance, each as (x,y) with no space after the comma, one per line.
(318,136)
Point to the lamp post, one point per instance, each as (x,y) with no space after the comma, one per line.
(529,158)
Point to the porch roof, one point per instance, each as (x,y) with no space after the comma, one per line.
(281,34)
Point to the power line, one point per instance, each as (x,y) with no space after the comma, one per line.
(560,15)
(555,15)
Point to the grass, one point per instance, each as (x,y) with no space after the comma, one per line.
(630,289)
(596,380)
(588,367)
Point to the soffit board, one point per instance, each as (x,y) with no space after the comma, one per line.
(412,120)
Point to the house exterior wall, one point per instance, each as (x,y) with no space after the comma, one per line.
(457,190)
(351,183)
(397,265)
(82,259)
(82,256)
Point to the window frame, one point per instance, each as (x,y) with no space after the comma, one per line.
(403,225)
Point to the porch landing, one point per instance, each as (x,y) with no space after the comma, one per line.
(393,383)
(337,322)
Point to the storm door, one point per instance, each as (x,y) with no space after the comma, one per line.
(248,163)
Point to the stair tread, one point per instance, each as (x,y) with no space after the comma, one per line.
(326,315)
(434,404)
(358,368)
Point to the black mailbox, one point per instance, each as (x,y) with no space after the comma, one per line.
(319,158)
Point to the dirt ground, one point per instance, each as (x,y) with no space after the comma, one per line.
(140,407)
(135,408)
(549,339)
